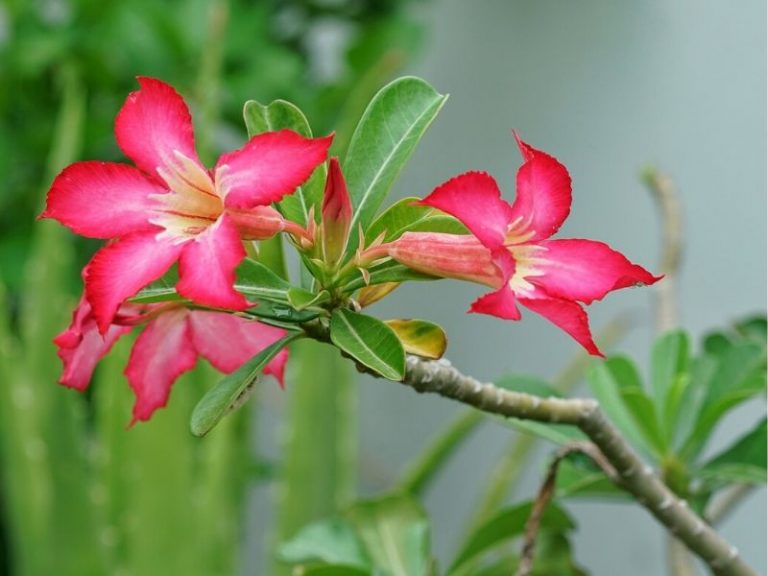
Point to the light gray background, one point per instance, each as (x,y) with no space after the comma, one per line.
(606,87)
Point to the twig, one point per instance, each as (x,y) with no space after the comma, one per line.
(663,191)
(545,494)
(723,505)
(634,476)
(667,313)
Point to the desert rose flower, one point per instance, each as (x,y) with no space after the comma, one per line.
(171,342)
(510,250)
(169,208)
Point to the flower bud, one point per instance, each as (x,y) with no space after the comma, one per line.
(336,214)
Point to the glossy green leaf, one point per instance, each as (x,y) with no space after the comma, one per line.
(280,115)
(404,216)
(255,280)
(224,397)
(506,525)
(382,143)
(332,541)
(395,533)
(370,342)
(743,461)
(420,337)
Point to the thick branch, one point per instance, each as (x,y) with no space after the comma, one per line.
(634,475)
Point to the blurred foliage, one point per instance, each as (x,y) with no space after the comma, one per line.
(78,494)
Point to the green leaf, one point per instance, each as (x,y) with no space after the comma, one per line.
(578,476)
(607,390)
(506,525)
(754,328)
(637,402)
(280,115)
(334,570)
(301,299)
(281,315)
(668,359)
(161,290)
(743,461)
(369,341)
(255,280)
(404,216)
(669,365)
(224,397)
(395,532)
(389,271)
(382,143)
(332,541)
(420,337)
(728,380)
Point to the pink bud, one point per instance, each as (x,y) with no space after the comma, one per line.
(336,214)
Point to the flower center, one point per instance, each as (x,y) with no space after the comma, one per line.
(527,260)
(191,205)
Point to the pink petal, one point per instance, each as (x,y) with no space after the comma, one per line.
(81,346)
(567,315)
(207,266)
(475,199)
(543,199)
(500,304)
(268,167)
(586,270)
(120,269)
(162,353)
(101,199)
(154,123)
(244,339)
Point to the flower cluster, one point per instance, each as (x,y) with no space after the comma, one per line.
(169,209)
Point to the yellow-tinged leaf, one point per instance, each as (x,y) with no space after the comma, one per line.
(371,294)
(419,337)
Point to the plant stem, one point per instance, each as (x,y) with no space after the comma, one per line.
(634,476)
(723,505)
(547,491)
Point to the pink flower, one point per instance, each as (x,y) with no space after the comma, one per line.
(510,249)
(169,346)
(170,208)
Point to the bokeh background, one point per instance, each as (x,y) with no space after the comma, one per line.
(608,88)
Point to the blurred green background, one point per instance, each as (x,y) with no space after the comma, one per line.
(605,87)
